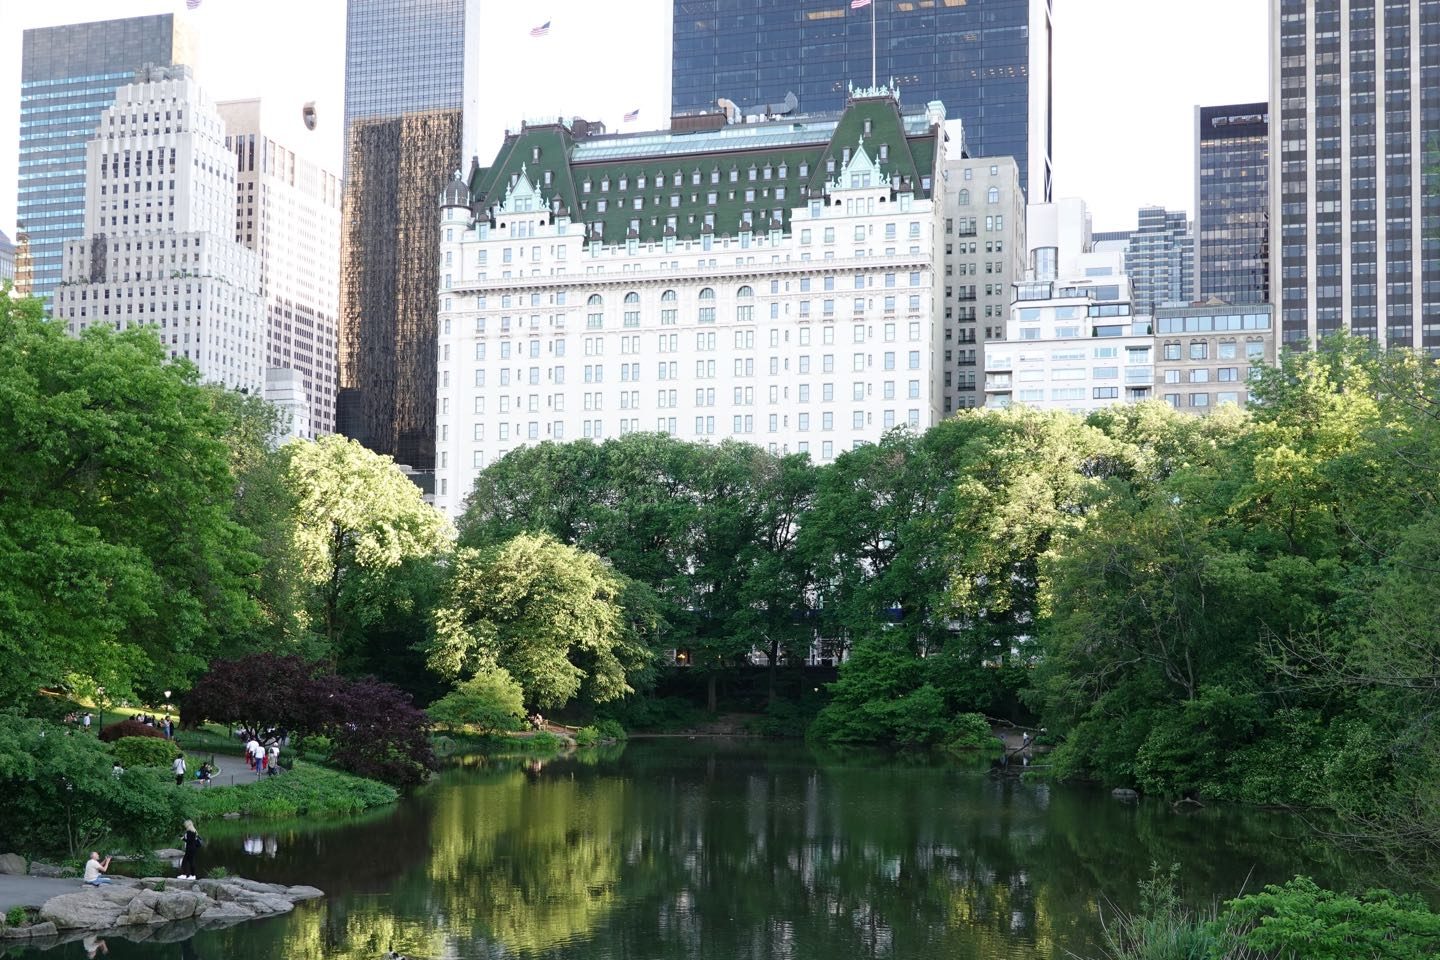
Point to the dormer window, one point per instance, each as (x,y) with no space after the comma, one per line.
(605,185)
(534,153)
(783,170)
(585,187)
(624,183)
(884,151)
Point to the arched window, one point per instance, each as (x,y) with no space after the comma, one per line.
(632,309)
(668,297)
(595,300)
(707,305)
(632,297)
(964,198)
(993,195)
(669,308)
(745,310)
(707,294)
(595,315)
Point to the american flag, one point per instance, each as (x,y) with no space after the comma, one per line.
(632,116)
(539,31)
(192,4)
(858,4)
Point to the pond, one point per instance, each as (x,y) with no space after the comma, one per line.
(718,850)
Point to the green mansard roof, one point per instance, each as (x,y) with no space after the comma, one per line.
(910,141)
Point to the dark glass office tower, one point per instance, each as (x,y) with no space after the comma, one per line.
(1232,203)
(1355,108)
(404,93)
(68,75)
(987,60)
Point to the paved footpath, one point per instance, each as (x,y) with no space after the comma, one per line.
(233,768)
(33,891)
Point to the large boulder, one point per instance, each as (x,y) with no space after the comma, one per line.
(180,904)
(38,869)
(12,864)
(86,910)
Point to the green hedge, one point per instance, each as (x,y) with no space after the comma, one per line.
(304,790)
(144,752)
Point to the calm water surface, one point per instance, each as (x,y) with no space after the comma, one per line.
(714,850)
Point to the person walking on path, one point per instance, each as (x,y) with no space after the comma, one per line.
(178,767)
(95,869)
(193,843)
(272,757)
(252,752)
(85,721)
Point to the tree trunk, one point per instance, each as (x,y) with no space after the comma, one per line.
(710,693)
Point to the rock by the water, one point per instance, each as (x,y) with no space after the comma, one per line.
(33,932)
(12,864)
(169,853)
(232,815)
(49,870)
(155,901)
(1124,793)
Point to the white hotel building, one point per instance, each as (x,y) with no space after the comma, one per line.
(770,282)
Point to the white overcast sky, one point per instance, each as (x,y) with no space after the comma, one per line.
(1128,74)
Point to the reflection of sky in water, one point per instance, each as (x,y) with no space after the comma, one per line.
(716,851)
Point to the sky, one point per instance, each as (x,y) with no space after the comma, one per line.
(1128,75)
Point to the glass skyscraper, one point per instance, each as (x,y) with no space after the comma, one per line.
(987,60)
(68,76)
(1232,197)
(1355,112)
(404,94)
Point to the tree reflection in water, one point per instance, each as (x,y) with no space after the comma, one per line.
(743,850)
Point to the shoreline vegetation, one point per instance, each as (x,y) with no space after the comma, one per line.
(1237,607)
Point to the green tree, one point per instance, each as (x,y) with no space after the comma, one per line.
(359,526)
(491,701)
(120,560)
(547,613)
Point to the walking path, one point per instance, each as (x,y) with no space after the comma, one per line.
(20,891)
(234,770)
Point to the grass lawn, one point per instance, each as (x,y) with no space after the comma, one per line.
(305,790)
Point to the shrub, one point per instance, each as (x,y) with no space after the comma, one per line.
(610,730)
(58,796)
(129,728)
(143,752)
(587,737)
(545,742)
(16,916)
(971,731)
(491,701)
(650,713)
(1299,919)
(1163,928)
(783,718)
(217,873)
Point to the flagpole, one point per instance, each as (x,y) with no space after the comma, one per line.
(873,5)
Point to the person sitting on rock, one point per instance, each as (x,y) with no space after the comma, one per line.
(95,869)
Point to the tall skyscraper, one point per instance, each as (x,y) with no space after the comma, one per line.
(1159,257)
(68,76)
(989,61)
(1232,203)
(404,94)
(1355,112)
(158,248)
(287,209)
(984,255)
